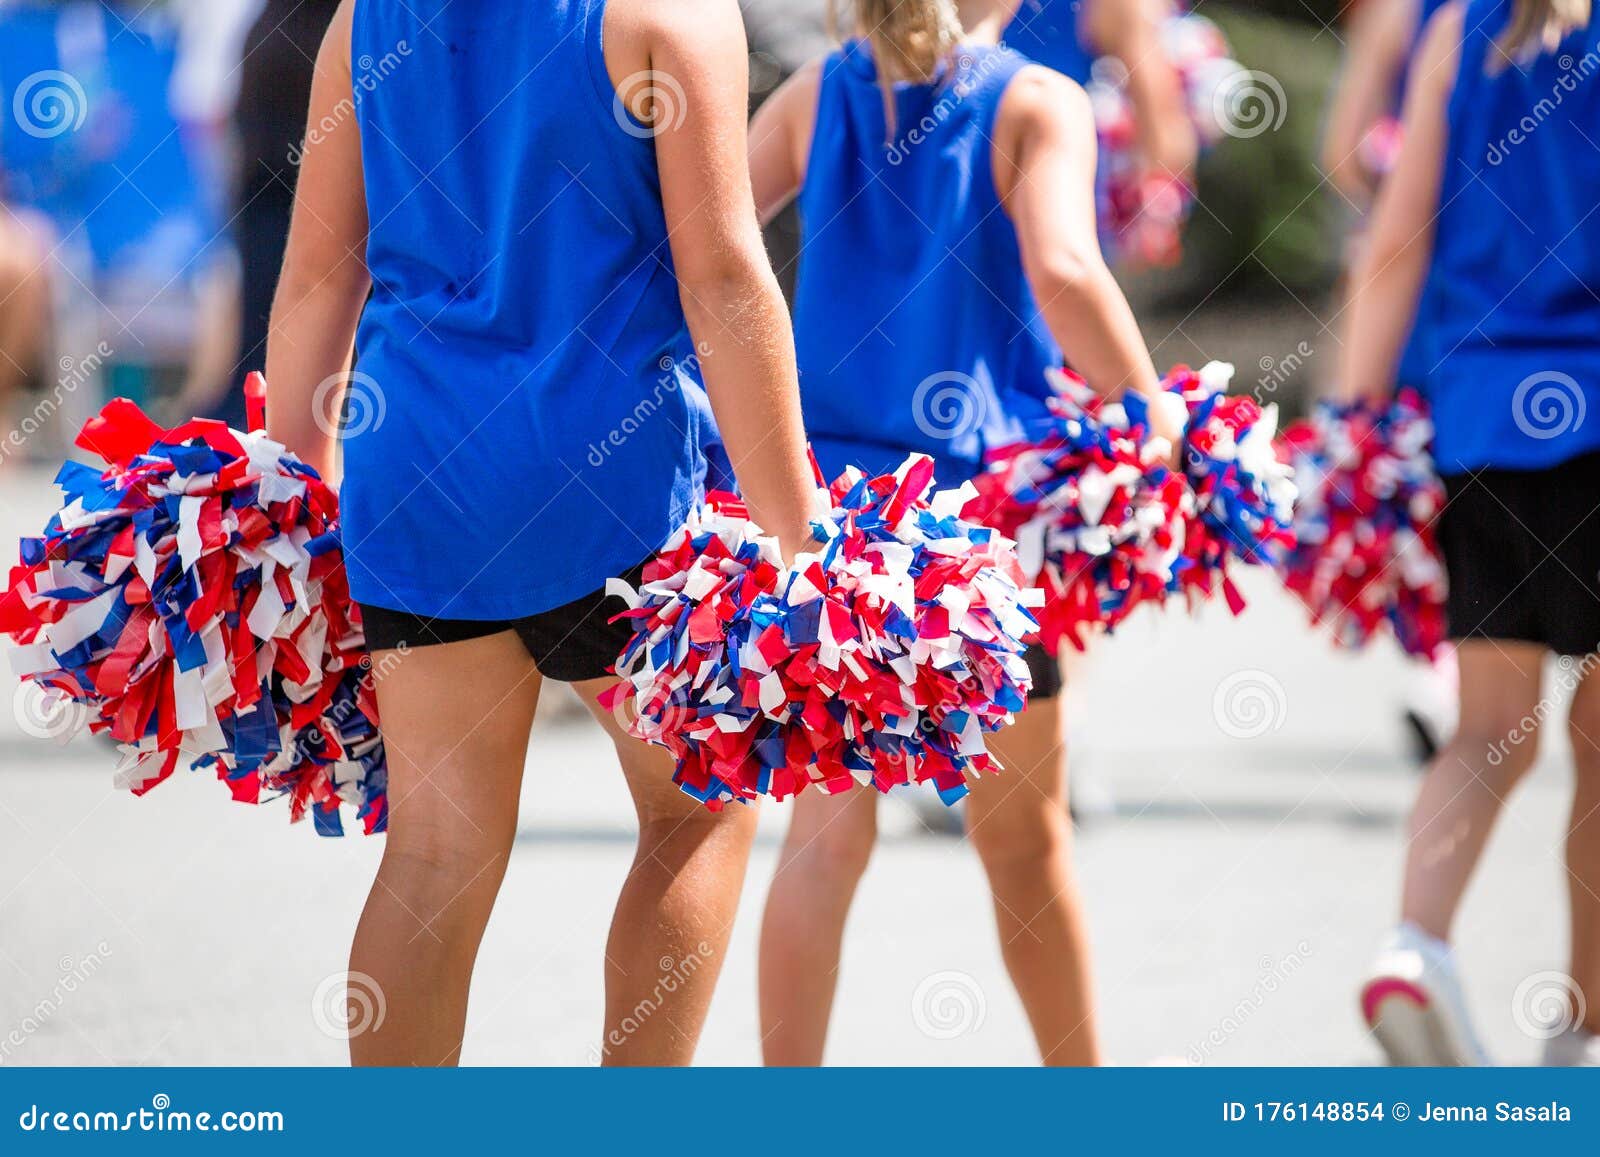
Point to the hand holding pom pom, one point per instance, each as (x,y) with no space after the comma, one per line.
(1244,495)
(881,659)
(192,596)
(1368,554)
(1142,209)
(1105,524)
(1098,515)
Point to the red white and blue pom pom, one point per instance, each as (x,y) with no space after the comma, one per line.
(192,597)
(1369,555)
(1244,494)
(1142,215)
(1098,518)
(882,659)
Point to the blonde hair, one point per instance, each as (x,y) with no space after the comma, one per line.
(1538,26)
(910,39)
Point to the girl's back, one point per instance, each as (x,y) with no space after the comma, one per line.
(524,302)
(914,323)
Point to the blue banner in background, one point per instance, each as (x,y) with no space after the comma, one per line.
(649,1113)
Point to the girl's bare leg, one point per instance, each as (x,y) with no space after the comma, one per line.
(826,851)
(1018,822)
(669,936)
(455,768)
(1583,848)
(1472,777)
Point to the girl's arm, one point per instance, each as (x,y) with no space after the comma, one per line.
(1044,173)
(1387,281)
(731,298)
(324,281)
(1130,30)
(1375,56)
(780,141)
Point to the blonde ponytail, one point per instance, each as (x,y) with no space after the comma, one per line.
(1538,26)
(910,39)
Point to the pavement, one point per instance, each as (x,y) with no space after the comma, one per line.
(1244,788)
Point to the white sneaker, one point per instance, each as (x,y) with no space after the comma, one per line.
(1414,1006)
(1574,1049)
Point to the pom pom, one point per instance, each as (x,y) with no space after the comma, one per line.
(1103,525)
(881,659)
(1142,215)
(1368,554)
(1244,494)
(191,597)
(1098,518)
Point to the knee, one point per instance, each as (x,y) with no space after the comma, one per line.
(836,847)
(434,868)
(674,829)
(1021,843)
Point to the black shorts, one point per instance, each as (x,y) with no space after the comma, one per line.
(1046,671)
(570,644)
(578,642)
(1522,549)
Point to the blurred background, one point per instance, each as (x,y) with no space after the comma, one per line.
(1240,786)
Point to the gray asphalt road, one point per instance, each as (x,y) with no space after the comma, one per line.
(1243,864)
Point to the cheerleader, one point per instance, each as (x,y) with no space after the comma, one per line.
(1067,35)
(1359,149)
(1492,205)
(946,196)
(544,202)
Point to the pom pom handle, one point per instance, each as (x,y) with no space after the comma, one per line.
(255,400)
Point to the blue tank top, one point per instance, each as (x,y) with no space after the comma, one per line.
(1047,33)
(915,327)
(1514,288)
(518,428)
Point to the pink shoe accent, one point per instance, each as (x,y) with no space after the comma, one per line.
(1380,990)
